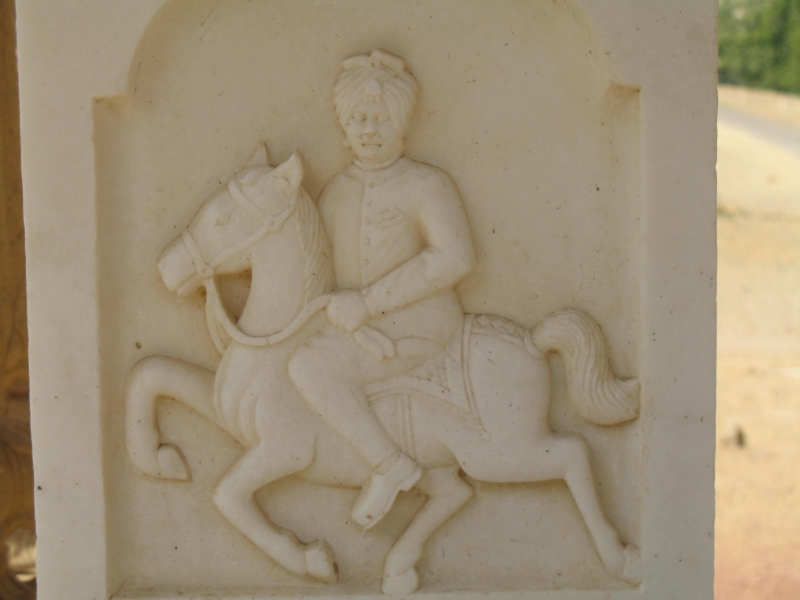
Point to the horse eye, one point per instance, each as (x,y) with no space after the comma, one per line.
(223,219)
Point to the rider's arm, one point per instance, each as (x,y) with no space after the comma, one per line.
(446,259)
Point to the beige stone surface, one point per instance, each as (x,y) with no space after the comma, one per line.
(578,137)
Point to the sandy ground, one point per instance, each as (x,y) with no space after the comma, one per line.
(758,389)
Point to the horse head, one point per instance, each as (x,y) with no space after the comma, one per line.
(254,202)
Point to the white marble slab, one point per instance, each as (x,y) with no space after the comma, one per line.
(506,272)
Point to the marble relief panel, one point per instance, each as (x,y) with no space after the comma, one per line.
(370,301)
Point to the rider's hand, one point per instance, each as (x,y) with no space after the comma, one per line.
(348,310)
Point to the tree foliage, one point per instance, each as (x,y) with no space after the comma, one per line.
(759,43)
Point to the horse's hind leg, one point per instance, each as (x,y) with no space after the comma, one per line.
(447,493)
(562,456)
(150,378)
(623,561)
(235,498)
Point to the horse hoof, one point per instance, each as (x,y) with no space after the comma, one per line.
(399,586)
(634,568)
(320,562)
(171,464)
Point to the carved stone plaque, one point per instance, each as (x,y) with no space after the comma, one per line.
(371,298)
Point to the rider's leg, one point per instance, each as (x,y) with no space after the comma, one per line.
(342,404)
(330,372)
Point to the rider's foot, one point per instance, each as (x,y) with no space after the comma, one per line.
(378,496)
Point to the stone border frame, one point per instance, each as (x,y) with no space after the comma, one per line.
(668,50)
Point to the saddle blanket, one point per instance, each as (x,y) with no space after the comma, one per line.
(445,378)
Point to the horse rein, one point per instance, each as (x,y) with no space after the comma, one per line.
(378,344)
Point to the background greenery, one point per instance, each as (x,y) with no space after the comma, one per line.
(759,43)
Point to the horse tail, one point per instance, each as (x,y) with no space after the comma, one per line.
(597,394)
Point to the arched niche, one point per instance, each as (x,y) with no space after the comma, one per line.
(518,105)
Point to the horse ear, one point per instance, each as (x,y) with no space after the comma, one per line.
(291,170)
(260,158)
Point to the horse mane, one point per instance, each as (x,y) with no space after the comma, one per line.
(317,261)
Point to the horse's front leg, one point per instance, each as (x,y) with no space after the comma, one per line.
(150,378)
(447,493)
(235,498)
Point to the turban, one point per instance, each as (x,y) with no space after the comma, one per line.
(374,77)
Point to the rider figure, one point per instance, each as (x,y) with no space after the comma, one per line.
(401,242)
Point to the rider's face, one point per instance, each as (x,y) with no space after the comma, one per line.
(371,133)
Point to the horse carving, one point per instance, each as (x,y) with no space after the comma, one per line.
(479,409)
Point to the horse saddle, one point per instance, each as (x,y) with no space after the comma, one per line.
(443,380)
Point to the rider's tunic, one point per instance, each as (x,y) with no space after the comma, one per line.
(401,236)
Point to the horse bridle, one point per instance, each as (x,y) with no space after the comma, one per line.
(372,340)
(269,224)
